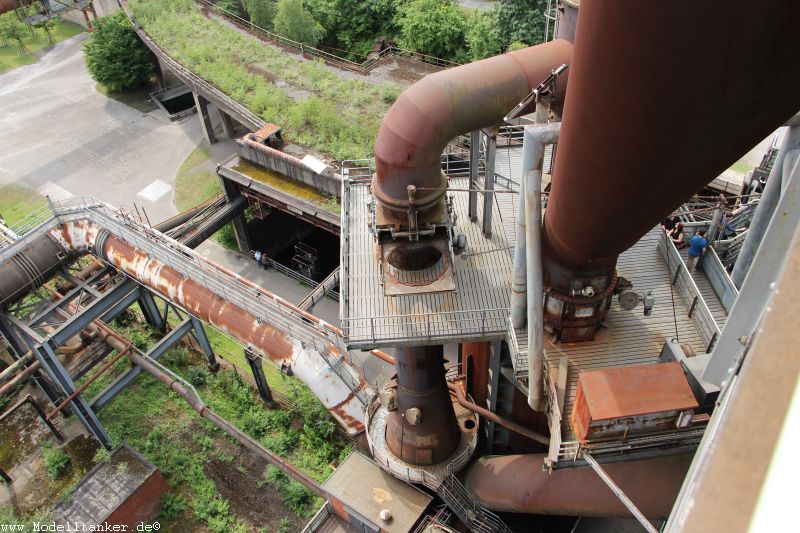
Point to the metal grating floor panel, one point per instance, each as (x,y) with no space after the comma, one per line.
(631,338)
(478,309)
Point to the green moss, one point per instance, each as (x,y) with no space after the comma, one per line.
(10,58)
(298,190)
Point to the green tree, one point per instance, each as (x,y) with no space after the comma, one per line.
(353,25)
(261,12)
(115,57)
(434,27)
(232,6)
(294,21)
(482,37)
(520,20)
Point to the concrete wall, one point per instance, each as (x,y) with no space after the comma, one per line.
(103,7)
(289,166)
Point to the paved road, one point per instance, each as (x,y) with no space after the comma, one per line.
(63,138)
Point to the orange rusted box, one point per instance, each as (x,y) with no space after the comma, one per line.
(629,401)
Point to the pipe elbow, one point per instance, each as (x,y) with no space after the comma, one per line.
(443,105)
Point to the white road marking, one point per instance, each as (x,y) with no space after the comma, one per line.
(154,191)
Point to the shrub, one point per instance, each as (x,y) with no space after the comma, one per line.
(172,505)
(294,21)
(434,27)
(115,57)
(197,375)
(56,462)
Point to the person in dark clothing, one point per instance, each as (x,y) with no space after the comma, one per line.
(677,236)
(264,260)
(669,223)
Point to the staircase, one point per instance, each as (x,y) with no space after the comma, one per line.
(471,513)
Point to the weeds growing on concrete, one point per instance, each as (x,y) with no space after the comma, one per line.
(317,108)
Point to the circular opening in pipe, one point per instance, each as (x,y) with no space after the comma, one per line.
(415,256)
(469,424)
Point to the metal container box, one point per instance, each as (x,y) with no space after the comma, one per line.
(628,401)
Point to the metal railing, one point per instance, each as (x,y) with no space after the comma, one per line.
(194,81)
(690,295)
(221,282)
(719,279)
(554,415)
(519,359)
(426,327)
(363,67)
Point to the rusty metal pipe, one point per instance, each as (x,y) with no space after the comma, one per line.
(519,484)
(19,378)
(383,356)
(494,417)
(307,364)
(652,115)
(7,5)
(14,367)
(443,105)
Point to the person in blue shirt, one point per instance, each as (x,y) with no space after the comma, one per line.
(697,247)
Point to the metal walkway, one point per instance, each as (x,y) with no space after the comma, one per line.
(314,335)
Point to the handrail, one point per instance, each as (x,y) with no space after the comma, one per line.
(246,116)
(363,67)
(325,338)
(680,278)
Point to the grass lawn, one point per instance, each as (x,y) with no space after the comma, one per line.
(195,183)
(10,58)
(18,201)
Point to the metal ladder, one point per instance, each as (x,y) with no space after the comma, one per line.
(474,515)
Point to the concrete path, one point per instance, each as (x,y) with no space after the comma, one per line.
(477,4)
(62,138)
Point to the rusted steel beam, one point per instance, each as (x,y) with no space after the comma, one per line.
(442,106)
(494,417)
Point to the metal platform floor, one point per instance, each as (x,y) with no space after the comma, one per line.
(630,338)
(478,308)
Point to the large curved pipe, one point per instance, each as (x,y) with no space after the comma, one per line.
(81,236)
(7,5)
(442,106)
(662,97)
(518,484)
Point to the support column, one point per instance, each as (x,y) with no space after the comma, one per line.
(20,348)
(46,355)
(205,118)
(422,429)
(474,163)
(765,209)
(488,183)
(239,223)
(227,124)
(257,368)
(200,335)
(495,355)
(150,310)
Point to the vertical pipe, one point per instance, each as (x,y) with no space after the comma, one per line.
(519,282)
(537,137)
(766,207)
(474,162)
(488,183)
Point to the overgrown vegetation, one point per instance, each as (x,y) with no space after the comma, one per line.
(170,434)
(317,108)
(56,462)
(19,42)
(115,56)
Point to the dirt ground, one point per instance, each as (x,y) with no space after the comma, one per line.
(237,482)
